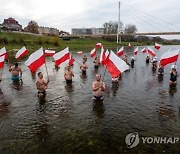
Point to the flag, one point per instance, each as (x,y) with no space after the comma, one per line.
(106,53)
(120,52)
(35,60)
(169,57)
(61,56)
(71,60)
(2,58)
(143,50)
(151,52)
(129,45)
(115,65)
(3,52)
(102,57)
(22,52)
(49,53)
(99,45)
(80,52)
(136,51)
(157,46)
(93,53)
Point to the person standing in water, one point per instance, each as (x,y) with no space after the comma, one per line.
(68,75)
(98,87)
(173,75)
(41,85)
(83,67)
(132,62)
(147,59)
(96,62)
(16,72)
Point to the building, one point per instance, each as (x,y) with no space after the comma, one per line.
(83,31)
(48,31)
(11,24)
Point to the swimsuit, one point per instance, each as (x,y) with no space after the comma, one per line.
(83,72)
(15,78)
(173,77)
(42,92)
(98,97)
(96,66)
(69,81)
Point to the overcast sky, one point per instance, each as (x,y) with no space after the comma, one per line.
(67,14)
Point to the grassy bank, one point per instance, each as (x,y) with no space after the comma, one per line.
(14,41)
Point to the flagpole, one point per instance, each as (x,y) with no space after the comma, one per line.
(46,66)
(118,29)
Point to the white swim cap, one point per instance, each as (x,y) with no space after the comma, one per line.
(132,57)
(173,66)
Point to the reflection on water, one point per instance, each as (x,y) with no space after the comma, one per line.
(17,85)
(98,109)
(114,88)
(160,77)
(172,89)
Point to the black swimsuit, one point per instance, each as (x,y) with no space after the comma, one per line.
(173,77)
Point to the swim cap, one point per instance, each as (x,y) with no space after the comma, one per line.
(173,66)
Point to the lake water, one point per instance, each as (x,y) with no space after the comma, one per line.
(68,122)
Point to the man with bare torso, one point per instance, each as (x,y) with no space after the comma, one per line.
(41,85)
(96,62)
(83,67)
(16,72)
(98,88)
(68,75)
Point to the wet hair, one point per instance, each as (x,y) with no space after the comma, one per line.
(16,64)
(99,75)
(39,73)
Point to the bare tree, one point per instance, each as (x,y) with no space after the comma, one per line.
(130,29)
(111,27)
(32,27)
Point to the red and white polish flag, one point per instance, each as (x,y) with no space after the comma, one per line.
(169,57)
(157,46)
(136,51)
(35,60)
(107,53)
(129,45)
(102,57)
(143,50)
(22,52)
(99,45)
(61,56)
(93,53)
(151,52)
(80,52)
(115,65)
(3,52)
(49,53)
(120,52)
(2,59)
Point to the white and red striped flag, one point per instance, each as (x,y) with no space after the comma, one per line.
(93,53)
(49,53)
(2,59)
(61,56)
(129,45)
(107,53)
(151,52)
(99,45)
(120,52)
(169,57)
(22,52)
(136,51)
(143,50)
(102,57)
(3,52)
(157,46)
(115,65)
(35,60)
(71,60)
(80,52)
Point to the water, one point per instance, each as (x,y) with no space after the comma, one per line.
(68,122)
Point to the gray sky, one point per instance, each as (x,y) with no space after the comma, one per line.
(67,14)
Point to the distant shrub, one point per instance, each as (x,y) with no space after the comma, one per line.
(56,41)
(40,41)
(3,40)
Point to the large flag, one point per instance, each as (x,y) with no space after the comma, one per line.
(151,52)
(169,57)
(115,65)
(2,58)
(61,56)
(22,52)
(102,57)
(3,52)
(120,52)
(143,50)
(99,45)
(157,46)
(71,60)
(93,53)
(80,52)
(136,51)
(107,53)
(49,53)
(35,60)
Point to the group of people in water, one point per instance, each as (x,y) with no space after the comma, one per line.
(98,86)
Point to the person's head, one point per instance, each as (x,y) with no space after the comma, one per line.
(40,75)
(68,68)
(16,64)
(98,77)
(84,61)
(173,67)
(132,58)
